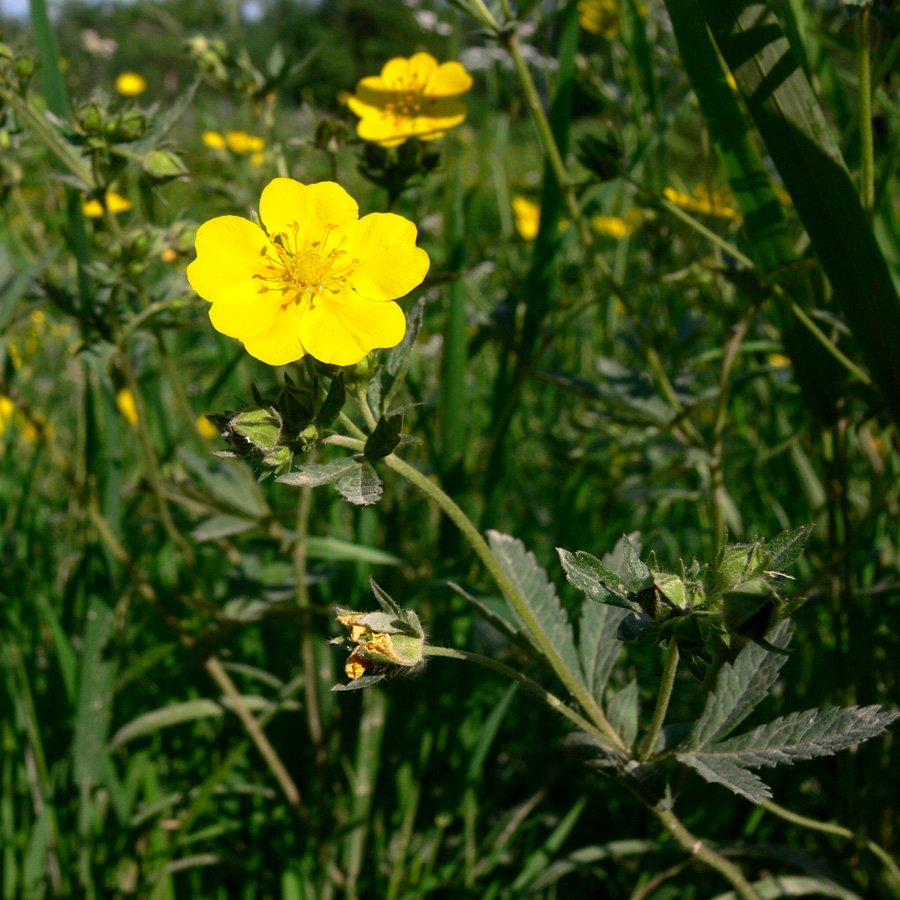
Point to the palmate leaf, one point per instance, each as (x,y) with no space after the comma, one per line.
(354,480)
(598,646)
(740,687)
(801,735)
(539,595)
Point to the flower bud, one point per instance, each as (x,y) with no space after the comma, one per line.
(163,165)
(752,610)
(259,427)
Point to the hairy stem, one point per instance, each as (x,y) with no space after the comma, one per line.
(662,699)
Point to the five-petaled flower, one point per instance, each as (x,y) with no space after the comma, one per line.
(317,280)
(412,97)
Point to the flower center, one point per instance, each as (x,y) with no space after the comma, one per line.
(301,270)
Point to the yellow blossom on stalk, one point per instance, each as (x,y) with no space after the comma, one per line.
(127,406)
(528,217)
(599,17)
(130,84)
(240,142)
(412,97)
(316,279)
(715,203)
(214,139)
(116,203)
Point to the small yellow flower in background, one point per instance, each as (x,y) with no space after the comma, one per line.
(130,84)
(127,406)
(258,158)
(240,142)
(599,17)
(411,98)
(613,226)
(318,280)
(528,217)
(779,360)
(214,139)
(7,411)
(169,255)
(206,428)
(730,79)
(116,203)
(717,203)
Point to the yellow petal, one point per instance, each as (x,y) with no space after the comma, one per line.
(93,209)
(266,325)
(214,139)
(117,203)
(229,251)
(390,264)
(385,128)
(420,68)
(127,406)
(342,328)
(313,206)
(130,84)
(395,74)
(449,80)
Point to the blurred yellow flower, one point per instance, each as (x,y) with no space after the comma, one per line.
(214,139)
(206,428)
(130,84)
(317,280)
(7,411)
(116,203)
(717,203)
(169,255)
(599,17)
(528,217)
(127,406)
(412,97)
(613,226)
(240,142)
(779,360)
(258,158)
(30,430)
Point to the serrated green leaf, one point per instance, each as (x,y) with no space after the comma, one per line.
(230,481)
(724,771)
(389,377)
(521,567)
(598,646)
(590,575)
(801,735)
(787,547)
(316,474)
(357,684)
(740,687)
(622,712)
(361,485)
(384,437)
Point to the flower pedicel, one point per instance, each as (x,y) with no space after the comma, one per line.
(315,279)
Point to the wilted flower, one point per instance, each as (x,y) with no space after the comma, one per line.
(412,97)
(316,279)
(130,84)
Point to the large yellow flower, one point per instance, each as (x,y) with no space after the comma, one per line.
(317,280)
(412,97)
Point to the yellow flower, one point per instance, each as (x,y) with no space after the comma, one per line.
(258,158)
(528,217)
(779,360)
(717,203)
(610,225)
(130,84)
(599,17)
(412,97)
(214,139)
(317,280)
(127,406)
(240,142)
(7,411)
(206,428)
(116,203)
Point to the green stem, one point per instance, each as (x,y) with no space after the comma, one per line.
(867,151)
(550,699)
(479,545)
(662,699)
(839,830)
(705,854)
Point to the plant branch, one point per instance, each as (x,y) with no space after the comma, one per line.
(662,699)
